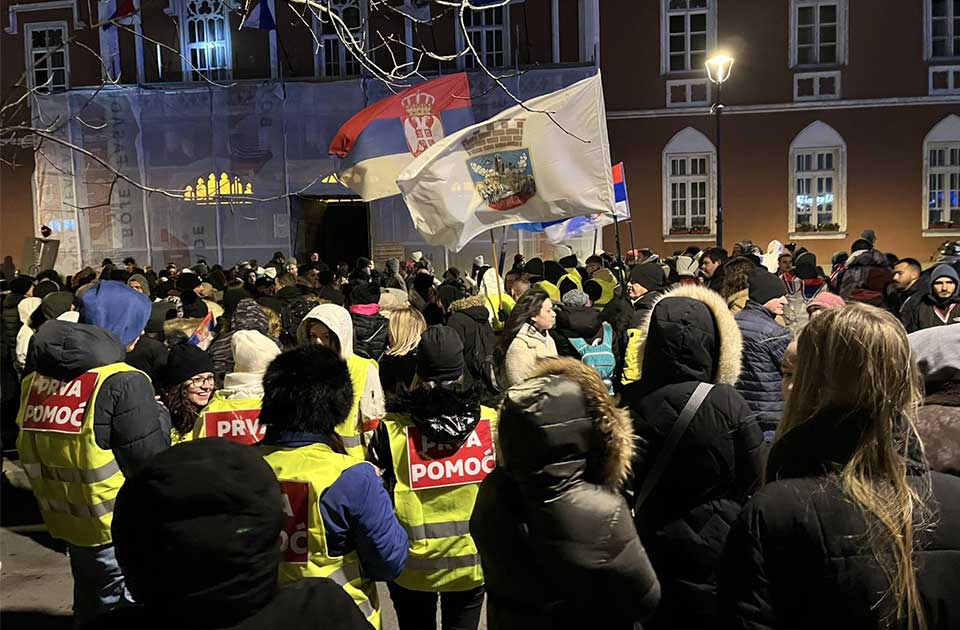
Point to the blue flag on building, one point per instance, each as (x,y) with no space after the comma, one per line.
(258,16)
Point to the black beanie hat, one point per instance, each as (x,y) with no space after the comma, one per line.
(185,361)
(569,262)
(196,532)
(364,293)
(553,271)
(193,306)
(45,288)
(440,355)
(647,275)
(593,289)
(764,286)
(188,282)
(56,304)
(567,285)
(861,244)
(805,266)
(534,267)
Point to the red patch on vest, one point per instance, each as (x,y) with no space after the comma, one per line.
(435,465)
(237,425)
(58,406)
(294,538)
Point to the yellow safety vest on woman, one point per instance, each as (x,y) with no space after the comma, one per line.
(305,473)
(434,497)
(234,419)
(75,481)
(349,429)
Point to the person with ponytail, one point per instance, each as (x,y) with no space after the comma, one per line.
(851,530)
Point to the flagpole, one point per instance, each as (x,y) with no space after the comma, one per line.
(623,277)
(493,246)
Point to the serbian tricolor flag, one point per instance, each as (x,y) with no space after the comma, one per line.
(380,141)
(203,334)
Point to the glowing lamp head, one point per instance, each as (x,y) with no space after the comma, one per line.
(719,67)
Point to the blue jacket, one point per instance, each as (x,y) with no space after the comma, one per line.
(357,514)
(761,381)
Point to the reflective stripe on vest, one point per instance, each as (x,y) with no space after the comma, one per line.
(74,480)
(305,473)
(234,419)
(349,429)
(434,503)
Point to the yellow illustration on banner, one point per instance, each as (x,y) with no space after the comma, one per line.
(211,190)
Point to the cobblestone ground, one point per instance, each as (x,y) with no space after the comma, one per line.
(36,589)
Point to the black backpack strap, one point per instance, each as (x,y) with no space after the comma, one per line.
(676,432)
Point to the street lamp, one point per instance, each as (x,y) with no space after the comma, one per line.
(719,67)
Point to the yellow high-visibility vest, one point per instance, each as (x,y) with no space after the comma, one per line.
(436,489)
(632,357)
(305,473)
(75,481)
(350,429)
(234,419)
(550,289)
(574,277)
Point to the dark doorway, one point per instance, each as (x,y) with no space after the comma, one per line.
(339,230)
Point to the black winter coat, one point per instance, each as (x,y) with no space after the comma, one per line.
(127,419)
(798,556)
(692,339)
(581,322)
(924,314)
(470,318)
(764,344)
(369,335)
(556,539)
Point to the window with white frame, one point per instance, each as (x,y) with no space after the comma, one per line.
(686,34)
(816,86)
(817,181)
(688,92)
(205,35)
(333,59)
(46,55)
(942,29)
(942,176)
(689,186)
(944,80)
(488,31)
(818,32)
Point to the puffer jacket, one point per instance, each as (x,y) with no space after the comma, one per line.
(556,539)
(798,556)
(529,346)
(691,338)
(127,419)
(761,382)
(582,322)
(865,278)
(248,316)
(938,422)
(369,332)
(470,318)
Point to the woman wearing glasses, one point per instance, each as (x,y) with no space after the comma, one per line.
(188,384)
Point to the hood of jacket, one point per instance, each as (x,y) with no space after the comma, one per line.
(446,414)
(938,353)
(604,275)
(241,385)
(250,316)
(868,258)
(560,426)
(64,350)
(26,307)
(337,319)
(583,322)
(941,271)
(474,307)
(118,308)
(690,336)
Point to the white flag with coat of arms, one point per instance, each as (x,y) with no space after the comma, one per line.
(517,167)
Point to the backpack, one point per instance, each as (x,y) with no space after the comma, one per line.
(599,354)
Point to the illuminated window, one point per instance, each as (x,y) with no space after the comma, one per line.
(942,176)
(46,56)
(817,182)
(333,59)
(686,33)
(205,33)
(942,29)
(689,186)
(818,32)
(488,32)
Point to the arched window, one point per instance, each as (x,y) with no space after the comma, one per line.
(205,39)
(941,169)
(689,187)
(818,190)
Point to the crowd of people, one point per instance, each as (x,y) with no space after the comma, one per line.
(749,439)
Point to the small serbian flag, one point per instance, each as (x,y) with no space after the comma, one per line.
(258,16)
(381,140)
(203,334)
(620,193)
(114,10)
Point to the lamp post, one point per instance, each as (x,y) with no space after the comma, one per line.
(719,67)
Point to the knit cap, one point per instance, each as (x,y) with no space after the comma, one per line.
(575,298)
(647,275)
(440,355)
(764,286)
(185,361)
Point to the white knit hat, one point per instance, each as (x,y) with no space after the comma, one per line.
(416,256)
(252,351)
(687,267)
(478,261)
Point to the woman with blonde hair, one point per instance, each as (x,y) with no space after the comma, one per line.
(399,364)
(852,530)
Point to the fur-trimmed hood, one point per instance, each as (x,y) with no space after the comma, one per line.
(468,303)
(560,426)
(683,341)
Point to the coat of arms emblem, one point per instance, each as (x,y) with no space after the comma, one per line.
(499,166)
(421,127)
